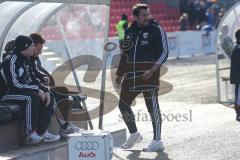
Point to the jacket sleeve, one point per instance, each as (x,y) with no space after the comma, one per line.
(122,65)
(11,72)
(39,74)
(161,45)
(38,78)
(236,58)
(44,88)
(39,84)
(123,62)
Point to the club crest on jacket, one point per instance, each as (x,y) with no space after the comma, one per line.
(20,72)
(145,35)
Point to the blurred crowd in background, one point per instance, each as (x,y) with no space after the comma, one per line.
(200,14)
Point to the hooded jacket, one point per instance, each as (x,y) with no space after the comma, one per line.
(147,49)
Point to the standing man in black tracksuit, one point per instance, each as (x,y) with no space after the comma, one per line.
(235,74)
(139,72)
(25,89)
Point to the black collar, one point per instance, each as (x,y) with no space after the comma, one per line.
(151,22)
(20,55)
(34,58)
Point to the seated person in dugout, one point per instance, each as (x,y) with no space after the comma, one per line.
(8,49)
(24,88)
(60,93)
(66,127)
(235,74)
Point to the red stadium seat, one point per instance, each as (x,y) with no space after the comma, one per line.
(167,15)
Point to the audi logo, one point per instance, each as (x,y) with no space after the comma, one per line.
(87,145)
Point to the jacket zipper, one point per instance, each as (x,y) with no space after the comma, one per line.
(134,59)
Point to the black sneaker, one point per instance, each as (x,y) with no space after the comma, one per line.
(77,106)
(79,98)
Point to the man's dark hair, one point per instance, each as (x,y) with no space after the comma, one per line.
(8,49)
(10,46)
(138,7)
(124,17)
(37,38)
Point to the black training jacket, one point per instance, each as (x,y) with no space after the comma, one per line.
(39,74)
(19,74)
(145,48)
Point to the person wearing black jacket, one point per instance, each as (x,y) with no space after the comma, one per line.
(235,74)
(24,88)
(43,78)
(8,49)
(139,72)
